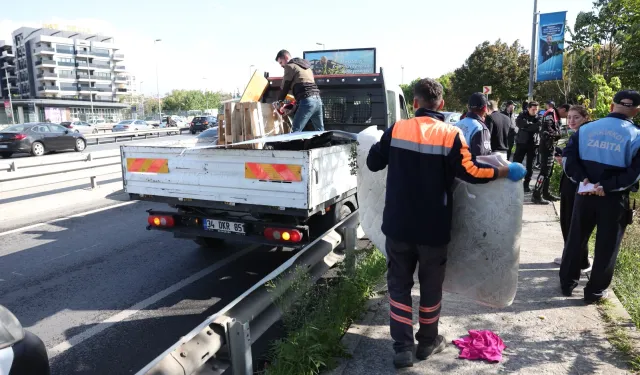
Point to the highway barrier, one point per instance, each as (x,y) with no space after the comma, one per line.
(31,172)
(242,322)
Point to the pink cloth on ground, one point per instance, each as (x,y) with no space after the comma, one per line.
(481,345)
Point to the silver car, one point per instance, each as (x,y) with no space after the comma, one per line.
(131,125)
(80,127)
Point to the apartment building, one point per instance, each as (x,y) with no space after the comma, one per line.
(64,75)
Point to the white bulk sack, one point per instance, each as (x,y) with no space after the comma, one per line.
(484,251)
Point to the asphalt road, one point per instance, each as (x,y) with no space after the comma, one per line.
(107,296)
(113,145)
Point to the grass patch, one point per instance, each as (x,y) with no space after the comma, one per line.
(626,282)
(619,337)
(321,315)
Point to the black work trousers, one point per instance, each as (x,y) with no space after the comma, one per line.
(402,259)
(528,150)
(608,215)
(546,167)
(511,139)
(568,191)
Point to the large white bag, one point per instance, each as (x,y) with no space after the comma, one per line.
(484,251)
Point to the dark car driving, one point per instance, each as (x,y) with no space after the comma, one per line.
(39,138)
(200,123)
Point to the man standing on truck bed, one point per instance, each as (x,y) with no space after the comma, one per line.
(298,77)
(424,155)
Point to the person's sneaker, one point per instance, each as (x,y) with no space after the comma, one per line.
(557,261)
(591,299)
(567,292)
(586,270)
(403,359)
(550,197)
(424,351)
(537,199)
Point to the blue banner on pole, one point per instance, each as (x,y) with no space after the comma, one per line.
(551,46)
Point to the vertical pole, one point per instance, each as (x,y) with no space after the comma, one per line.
(350,236)
(533,48)
(239,344)
(402,67)
(6,75)
(90,91)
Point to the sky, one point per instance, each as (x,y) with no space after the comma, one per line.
(215,45)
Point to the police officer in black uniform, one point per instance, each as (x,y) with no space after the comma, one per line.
(604,153)
(528,124)
(549,135)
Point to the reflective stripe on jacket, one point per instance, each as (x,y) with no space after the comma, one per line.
(424,155)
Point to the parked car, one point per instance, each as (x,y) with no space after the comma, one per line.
(39,138)
(177,121)
(80,127)
(200,123)
(451,117)
(131,125)
(209,135)
(98,122)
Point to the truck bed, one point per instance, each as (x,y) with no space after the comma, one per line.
(282,179)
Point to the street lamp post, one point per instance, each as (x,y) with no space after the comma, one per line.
(204,91)
(158,85)
(142,98)
(90,92)
(6,75)
(321,44)
(402,67)
(533,49)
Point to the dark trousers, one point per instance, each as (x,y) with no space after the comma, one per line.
(528,150)
(568,191)
(608,215)
(511,139)
(546,168)
(402,259)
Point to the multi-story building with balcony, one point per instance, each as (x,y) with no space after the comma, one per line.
(69,74)
(8,80)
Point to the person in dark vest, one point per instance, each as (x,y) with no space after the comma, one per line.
(423,156)
(604,158)
(528,126)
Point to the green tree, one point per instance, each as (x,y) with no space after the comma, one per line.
(502,66)
(184,100)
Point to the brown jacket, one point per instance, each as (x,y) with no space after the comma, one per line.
(298,77)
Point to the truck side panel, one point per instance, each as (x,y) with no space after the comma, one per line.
(333,171)
(217,175)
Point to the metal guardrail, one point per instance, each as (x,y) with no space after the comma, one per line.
(243,321)
(34,172)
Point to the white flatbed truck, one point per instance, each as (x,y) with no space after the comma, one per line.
(285,195)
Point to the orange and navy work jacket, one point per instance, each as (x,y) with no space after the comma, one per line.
(424,155)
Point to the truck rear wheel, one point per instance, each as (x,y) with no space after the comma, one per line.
(208,243)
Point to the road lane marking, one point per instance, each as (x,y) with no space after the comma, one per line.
(67,218)
(124,314)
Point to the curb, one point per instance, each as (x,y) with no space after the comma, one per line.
(352,338)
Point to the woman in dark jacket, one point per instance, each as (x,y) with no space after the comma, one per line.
(577,116)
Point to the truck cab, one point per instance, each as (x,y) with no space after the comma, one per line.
(353,102)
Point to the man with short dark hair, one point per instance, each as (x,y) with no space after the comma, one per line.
(424,155)
(501,125)
(473,126)
(298,77)
(510,112)
(606,153)
(563,110)
(528,126)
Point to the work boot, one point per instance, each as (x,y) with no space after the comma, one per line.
(527,188)
(545,192)
(424,351)
(536,198)
(403,359)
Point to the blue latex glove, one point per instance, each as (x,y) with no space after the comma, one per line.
(516,172)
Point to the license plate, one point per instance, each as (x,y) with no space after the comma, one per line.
(4,146)
(224,226)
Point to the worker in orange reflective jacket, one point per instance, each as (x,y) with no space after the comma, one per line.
(424,155)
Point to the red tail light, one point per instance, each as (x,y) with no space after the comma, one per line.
(283,235)
(19,137)
(126,126)
(161,221)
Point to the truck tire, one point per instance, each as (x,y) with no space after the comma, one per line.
(215,244)
(319,224)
